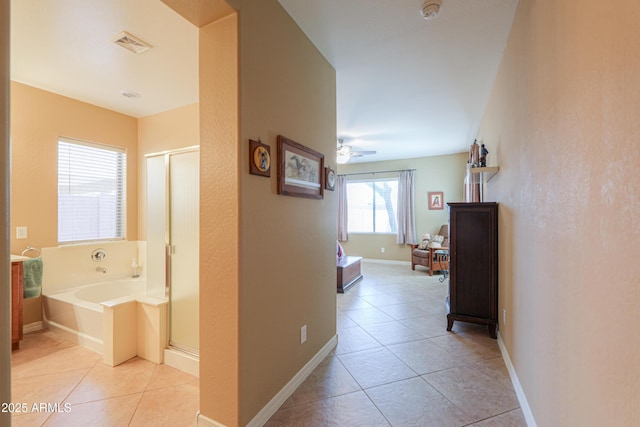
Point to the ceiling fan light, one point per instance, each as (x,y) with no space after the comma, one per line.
(341,159)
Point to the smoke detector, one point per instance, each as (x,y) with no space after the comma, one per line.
(131,42)
(430,9)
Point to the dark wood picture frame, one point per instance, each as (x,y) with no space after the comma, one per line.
(300,170)
(259,158)
(436,200)
(329,179)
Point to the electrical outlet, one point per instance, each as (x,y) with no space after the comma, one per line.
(303,334)
(504,316)
(381,250)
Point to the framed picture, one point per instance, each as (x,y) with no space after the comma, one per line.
(329,179)
(300,170)
(436,200)
(259,158)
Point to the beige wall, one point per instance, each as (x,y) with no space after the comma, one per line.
(267,263)
(287,243)
(438,173)
(219,223)
(563,118)
(169,130)
(38,118)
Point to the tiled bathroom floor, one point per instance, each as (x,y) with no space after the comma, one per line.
(50,370)
(395,363)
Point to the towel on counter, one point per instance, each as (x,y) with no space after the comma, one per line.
(32,277)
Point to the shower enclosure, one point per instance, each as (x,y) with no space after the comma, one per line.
(173,241)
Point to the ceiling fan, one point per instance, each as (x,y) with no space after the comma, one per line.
(345,153)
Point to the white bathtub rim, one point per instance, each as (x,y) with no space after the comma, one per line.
(68,295)
(79,286)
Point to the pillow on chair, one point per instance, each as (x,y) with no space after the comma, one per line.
(424,244)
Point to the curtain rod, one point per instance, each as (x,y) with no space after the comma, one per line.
(373,173)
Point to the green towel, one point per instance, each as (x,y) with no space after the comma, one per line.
(32,277)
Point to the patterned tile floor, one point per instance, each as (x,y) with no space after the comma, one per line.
(49,370)
(396,365)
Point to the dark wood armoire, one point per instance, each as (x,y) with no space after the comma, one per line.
(473,251)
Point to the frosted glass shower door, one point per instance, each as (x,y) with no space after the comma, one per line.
(157,196)
(184,227)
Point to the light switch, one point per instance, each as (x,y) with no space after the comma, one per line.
(21,232)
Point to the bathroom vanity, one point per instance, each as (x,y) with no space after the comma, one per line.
(17,300)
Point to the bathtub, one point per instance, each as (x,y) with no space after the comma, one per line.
(78,313)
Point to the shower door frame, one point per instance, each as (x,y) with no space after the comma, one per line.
(168,247)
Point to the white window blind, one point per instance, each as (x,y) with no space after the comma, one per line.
(91,192)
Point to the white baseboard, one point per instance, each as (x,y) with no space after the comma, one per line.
(385,261)
(524,404)
(182,361)
(274,404)
(267,412)
(207,422)
(32,327)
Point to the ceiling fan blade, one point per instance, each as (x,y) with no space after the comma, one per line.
(364,152)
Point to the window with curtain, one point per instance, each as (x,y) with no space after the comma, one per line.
(91,192)
(373,205)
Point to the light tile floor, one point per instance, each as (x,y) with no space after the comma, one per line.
(50,370)
(395,363)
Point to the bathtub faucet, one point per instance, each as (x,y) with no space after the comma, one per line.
(101,269)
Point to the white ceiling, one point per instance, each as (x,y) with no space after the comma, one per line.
(406,87)
(64,46)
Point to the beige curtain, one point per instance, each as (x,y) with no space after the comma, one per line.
(406,209)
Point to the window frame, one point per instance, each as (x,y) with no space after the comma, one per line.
(120,199)
(373,210)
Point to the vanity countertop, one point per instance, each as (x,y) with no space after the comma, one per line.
(18,258)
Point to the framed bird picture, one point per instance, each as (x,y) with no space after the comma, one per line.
(300,170)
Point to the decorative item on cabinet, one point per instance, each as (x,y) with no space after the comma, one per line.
(473,264)
(483,156)
(477,173)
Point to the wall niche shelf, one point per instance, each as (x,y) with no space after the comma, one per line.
(486,173)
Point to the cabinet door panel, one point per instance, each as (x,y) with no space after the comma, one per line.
(473,246)
(474,264)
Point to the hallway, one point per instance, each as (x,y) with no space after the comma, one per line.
(395,363)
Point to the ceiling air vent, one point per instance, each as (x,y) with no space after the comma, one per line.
(131,42)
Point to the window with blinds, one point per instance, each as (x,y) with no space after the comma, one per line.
(91,192)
